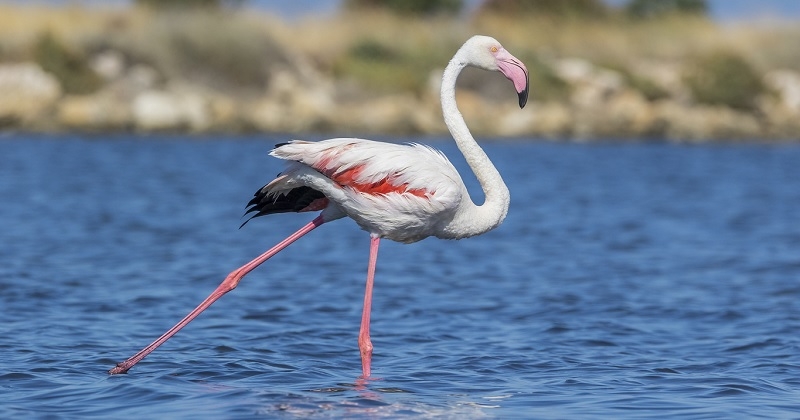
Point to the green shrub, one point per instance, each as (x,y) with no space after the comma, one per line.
(724,78)
(408,7)
(174,4)
(231,55)
(649,89)
(382,68)
(215,48)
(377,66)
(370,49)
(659,8)
(546,8)
(70,67)
(545,85)
(646,86)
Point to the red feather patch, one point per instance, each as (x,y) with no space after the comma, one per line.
(349,178)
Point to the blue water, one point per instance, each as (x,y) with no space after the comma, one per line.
(628,281)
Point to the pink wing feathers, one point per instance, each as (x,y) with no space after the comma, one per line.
(403,186)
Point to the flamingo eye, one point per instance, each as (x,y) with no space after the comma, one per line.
(493,49)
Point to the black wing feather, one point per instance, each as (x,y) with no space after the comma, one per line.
(293,201)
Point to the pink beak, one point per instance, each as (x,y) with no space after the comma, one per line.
(515,71)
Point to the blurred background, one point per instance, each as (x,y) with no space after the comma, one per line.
(686,70)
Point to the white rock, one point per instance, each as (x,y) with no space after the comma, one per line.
(574,70)
(26,91)
(108,64)
(591,85)
(787,84)
(141,77)
(98,111)
(170,110)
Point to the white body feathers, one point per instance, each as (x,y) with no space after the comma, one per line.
(407,192)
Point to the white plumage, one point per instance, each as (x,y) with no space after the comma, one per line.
(400,192)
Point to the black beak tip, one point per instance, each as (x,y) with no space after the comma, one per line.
(523,97)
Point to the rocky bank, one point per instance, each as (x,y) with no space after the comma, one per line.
(601,104)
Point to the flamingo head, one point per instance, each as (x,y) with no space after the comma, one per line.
(486,53)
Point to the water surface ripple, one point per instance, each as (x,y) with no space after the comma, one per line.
(629,281)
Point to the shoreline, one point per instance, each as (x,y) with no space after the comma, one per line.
(134,71)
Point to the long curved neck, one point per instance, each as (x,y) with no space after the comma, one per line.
(471,219)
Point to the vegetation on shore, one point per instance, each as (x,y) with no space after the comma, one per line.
(244,64)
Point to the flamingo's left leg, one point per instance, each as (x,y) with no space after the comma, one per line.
(364,343)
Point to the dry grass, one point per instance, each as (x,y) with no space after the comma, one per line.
(22,21)
(617,42)
(236,47)
(768,45)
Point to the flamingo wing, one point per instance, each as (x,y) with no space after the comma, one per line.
(398,190)
(374,167)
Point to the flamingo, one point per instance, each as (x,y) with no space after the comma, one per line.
(402,192)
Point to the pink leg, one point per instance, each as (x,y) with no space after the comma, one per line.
(226,286)
(364,343)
